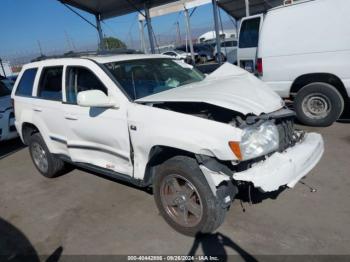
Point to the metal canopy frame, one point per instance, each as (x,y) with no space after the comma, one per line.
(241,8)
(105,9)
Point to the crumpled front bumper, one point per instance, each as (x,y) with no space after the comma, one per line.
(285,168)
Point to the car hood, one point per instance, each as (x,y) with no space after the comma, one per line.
(5,103)
(230,87)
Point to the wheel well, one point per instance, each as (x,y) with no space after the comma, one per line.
(331,79)
(157,156)
(27,131)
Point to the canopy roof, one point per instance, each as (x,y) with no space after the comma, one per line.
(237,8)
(112,8)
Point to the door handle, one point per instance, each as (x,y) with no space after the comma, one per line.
(70,117)
(36,109)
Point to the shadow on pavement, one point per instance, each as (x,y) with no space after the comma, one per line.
(214,245)
(9,147)
(14,246)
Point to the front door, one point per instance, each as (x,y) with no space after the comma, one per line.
(97,136)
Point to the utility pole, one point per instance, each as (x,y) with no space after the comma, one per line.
(100,34)
(142,36)
(40,49)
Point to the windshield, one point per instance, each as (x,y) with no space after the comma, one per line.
(4,91)
(144,77)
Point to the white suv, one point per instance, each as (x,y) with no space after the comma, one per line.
(155,121)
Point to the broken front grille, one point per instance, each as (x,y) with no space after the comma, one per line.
(286,133)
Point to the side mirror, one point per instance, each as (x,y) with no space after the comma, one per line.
(95,98)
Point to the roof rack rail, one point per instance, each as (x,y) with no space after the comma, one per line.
(72,54)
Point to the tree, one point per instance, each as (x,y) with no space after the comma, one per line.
(111,43)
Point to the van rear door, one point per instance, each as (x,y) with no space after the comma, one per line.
(248,42)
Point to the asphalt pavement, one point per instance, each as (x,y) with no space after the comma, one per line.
(81,213)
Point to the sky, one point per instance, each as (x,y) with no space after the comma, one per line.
(28,24)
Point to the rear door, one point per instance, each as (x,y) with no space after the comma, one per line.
(47,107)
(248,42)
(97,136)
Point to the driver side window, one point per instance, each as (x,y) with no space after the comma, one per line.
(80,79)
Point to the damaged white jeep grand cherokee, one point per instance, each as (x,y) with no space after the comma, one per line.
(154,121)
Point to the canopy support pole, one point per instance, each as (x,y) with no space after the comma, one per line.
(149,29)
(2,67)
(217,32)
(188,27)
(247,11)
(100,34)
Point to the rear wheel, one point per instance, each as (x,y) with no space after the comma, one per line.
(46,163)
(318,104)
(184,198)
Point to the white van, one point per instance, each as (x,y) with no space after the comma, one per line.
(302,51)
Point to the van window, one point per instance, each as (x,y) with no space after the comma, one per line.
(80,79)
(50,86)
(25,86)
(229,44)
(249,34)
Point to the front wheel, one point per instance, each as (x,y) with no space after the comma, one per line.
(185,199)
(318,104)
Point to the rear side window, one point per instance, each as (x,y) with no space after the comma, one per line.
(80,79)
(249,34)
(25,86)
(50,86)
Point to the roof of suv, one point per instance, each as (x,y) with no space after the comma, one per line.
(101,59)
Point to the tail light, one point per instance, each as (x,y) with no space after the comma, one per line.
(259,66)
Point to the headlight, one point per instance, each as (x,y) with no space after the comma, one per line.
(258,141)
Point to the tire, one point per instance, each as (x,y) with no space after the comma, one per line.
(223,58)
(209,214)
(203,59)
(52,166)
(318,104)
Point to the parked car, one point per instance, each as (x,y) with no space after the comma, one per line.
(7,82)
(7,121)
(306,60)
(155,121)
(228,49)
(181,55)
(204,51)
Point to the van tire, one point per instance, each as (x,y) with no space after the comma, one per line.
(38,150)
(318,104)
(186,169)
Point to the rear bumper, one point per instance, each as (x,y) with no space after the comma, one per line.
(285,168)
